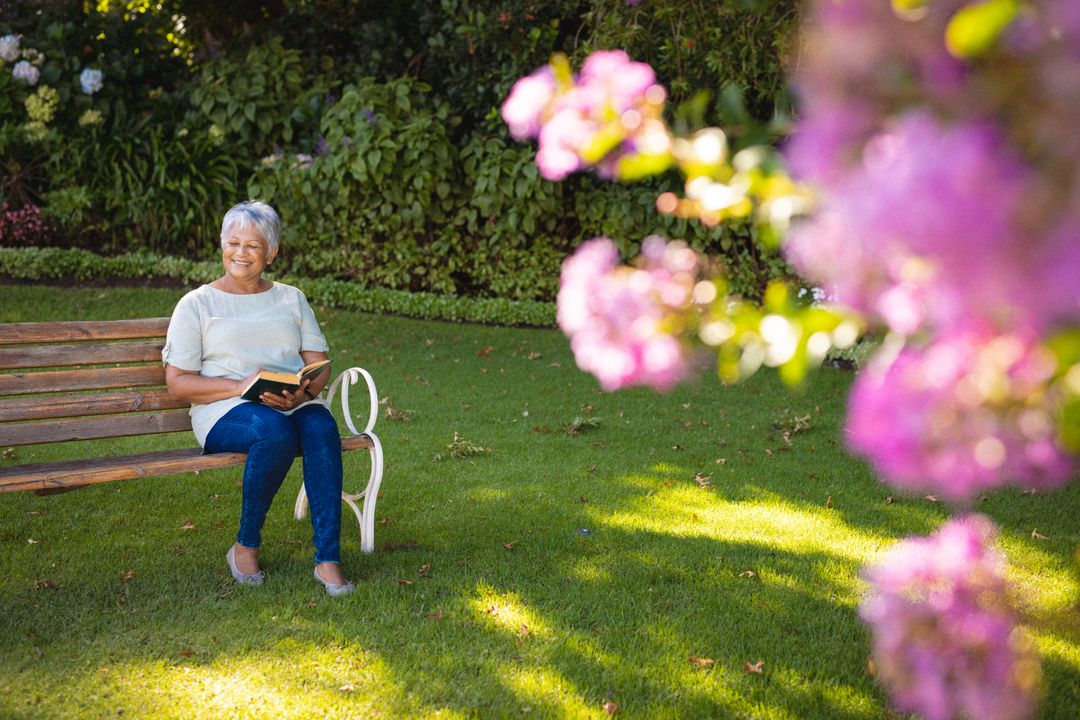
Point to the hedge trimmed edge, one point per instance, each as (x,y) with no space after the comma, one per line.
(31,263)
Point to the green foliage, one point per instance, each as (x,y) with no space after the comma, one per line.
(472,52)
(142,186)
(268,96)
(376,205)
(694,44)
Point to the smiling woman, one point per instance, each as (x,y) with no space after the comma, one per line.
(224,334)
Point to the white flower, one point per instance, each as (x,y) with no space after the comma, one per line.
(90,79)
(25,71)
(9,47)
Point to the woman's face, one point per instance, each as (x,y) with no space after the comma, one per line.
(245,255)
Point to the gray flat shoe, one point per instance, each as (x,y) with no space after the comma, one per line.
(243,578)
(334,590)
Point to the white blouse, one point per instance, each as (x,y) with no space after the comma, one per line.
(220,334)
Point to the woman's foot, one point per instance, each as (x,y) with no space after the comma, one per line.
(329,574)
(244,565)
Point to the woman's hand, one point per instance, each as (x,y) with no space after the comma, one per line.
(287,400)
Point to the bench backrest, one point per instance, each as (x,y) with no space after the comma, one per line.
(85,380)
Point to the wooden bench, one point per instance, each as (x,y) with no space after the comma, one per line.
(69,381)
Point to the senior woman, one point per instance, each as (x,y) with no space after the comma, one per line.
(220,336)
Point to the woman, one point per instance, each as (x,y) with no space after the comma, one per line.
(222,335)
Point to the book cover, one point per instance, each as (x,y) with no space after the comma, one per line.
(275,382)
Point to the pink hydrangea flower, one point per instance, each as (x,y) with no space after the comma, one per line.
(592,122)
(945,634)
(616,316)
(964,415)
(923,231)
(524,108)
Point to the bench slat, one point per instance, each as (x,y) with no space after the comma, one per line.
(71,473)
(93,379)
(38,356)
(33,332)
(78,404)
(94,428)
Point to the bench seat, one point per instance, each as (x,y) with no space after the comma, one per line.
(52,476)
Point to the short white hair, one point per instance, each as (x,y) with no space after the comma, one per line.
(256,214)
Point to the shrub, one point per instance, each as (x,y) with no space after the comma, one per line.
(376,205)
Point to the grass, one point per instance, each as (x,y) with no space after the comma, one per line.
(543,549)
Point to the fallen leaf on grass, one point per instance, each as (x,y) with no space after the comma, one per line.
(702,662)
(127,575)
(871,667)
(188,526)
(931,498)
(485,351)
(436,616)
(404,582)
(393,414)
(347,687)
(31,541)
(44,584)
(828,503)
(43,511)
(1030,491)
(533,356)
(748,574)
(1035,534)
(611,708)
(187,653)
(425,570)
(510,545)
(582,424)
(541,430)
(889,500)
(703,480)
(754,667)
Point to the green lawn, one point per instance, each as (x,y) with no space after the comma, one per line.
(554,574)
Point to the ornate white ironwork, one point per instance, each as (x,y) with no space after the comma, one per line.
(365,511)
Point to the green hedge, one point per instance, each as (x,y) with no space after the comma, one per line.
(81,265)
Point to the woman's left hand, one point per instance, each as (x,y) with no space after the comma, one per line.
(287,400)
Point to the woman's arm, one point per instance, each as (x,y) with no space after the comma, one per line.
(319,381)
(190,386)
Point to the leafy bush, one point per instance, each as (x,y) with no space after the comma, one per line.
(375,206)
(694,44)
(268,96)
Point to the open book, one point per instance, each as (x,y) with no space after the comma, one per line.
(276,382)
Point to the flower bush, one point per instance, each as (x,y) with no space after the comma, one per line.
(920,199)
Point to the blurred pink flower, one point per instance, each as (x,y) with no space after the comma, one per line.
(524,108)
(961,416)
(592,122)
(924,232)
(617,317)
(945,633)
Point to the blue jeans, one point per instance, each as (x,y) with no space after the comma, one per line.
(271,441)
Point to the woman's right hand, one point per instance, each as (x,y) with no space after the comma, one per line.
(241,384)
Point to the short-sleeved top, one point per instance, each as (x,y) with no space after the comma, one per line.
(220,334)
